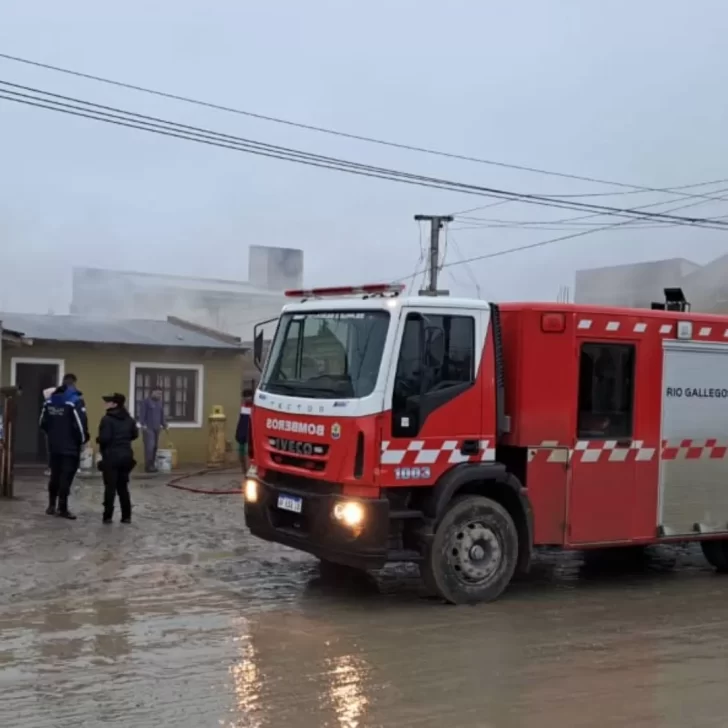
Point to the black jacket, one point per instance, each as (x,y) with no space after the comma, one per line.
(63,419)
(243,428)
(117,430)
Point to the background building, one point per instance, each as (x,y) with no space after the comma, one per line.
(636,285)
(230,306)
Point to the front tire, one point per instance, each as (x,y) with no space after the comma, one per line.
(474,553)
(716,554)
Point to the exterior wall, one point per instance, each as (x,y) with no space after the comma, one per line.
(103,368)
(636,285)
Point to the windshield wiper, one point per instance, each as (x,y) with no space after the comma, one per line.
(285,386)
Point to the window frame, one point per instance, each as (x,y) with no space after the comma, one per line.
(199,370)
(622,345)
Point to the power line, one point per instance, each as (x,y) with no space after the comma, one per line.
(553,241)
(578,220)
(120,117)
(343,134)
(677,191)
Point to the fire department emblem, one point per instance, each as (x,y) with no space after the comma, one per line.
(336,431)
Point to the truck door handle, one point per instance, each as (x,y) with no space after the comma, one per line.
(470,447)
(624,443)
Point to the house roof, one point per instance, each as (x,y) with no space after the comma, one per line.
(94,330)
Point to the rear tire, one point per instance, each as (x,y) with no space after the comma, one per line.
(716,554)
(474,552)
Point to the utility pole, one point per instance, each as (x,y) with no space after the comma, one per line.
(437,222)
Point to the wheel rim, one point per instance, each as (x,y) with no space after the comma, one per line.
(475,553)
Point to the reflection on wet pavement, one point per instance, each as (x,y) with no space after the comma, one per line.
(183,620)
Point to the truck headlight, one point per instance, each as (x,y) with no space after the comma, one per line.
(250,491)
(350,513)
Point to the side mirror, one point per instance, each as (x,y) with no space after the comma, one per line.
(434,347)
(259,343)
(258,349)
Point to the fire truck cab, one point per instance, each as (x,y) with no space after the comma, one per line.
(460,434)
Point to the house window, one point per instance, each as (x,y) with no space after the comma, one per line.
(179,387)
(606,391)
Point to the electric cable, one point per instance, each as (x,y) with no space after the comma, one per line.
(630,188)
(197,134)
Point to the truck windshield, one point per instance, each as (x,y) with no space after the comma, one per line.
(327,355)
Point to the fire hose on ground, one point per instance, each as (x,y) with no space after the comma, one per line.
(177,482)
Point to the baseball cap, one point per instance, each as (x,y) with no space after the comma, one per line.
(115,398)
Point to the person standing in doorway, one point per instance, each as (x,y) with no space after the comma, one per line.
(64,422)
(46,396)
(243,428)
(117,431)
(152,420)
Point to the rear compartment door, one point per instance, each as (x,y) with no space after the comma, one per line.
(603,473)
(694,465)
(436,423)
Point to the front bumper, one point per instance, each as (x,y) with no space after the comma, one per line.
(315,531)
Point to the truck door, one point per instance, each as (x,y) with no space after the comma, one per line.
(436,417)
(603,460)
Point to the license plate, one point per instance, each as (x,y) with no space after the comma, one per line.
(290,503)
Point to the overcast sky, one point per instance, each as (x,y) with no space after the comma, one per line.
(626,91)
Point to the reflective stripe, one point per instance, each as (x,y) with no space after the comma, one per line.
(78,419)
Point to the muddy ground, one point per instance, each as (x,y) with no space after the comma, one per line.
(182,619)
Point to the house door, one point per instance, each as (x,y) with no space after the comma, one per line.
(32,378)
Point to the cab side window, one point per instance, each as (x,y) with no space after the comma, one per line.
(606,391)
(423,385)
(458,364)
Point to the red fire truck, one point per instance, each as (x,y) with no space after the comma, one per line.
(460,435)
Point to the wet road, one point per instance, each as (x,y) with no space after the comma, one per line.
(183,620)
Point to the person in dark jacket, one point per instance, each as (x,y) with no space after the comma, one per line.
(117,431)
(63,419)
(243,428)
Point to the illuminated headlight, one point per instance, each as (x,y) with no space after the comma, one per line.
(250,491)
(349,513)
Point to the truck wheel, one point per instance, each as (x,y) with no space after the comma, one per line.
(474,552)
(716,553)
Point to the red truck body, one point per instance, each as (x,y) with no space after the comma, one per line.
(499,429)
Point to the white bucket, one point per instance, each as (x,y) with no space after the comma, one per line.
(163,462)
(87,459)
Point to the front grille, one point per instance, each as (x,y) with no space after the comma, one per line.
(315,466)
(297,482)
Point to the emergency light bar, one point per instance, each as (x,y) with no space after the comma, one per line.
(372,289)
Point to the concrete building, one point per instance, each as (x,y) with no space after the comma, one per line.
(635,285)
(195,369)
(224,305)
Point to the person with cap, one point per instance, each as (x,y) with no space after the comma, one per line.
(117,431)
(63,419)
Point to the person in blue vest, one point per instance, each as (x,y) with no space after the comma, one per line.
(65,424)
